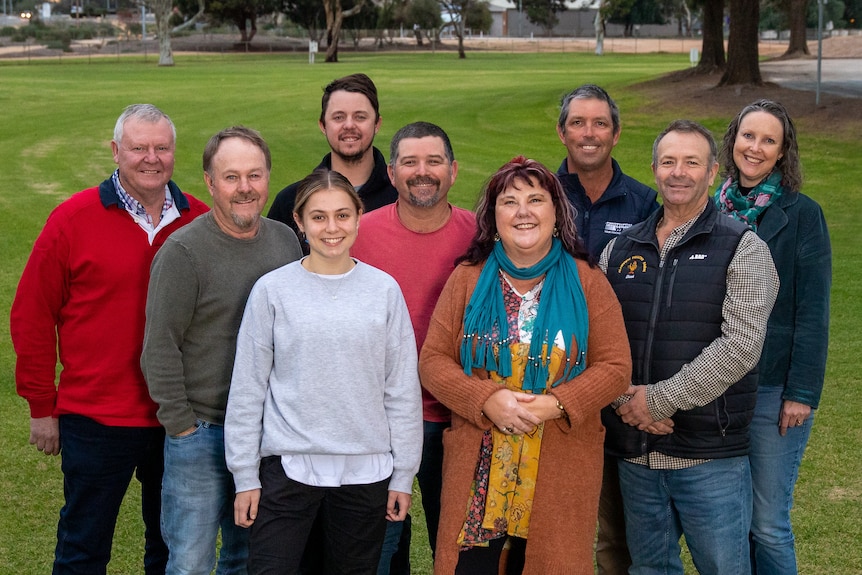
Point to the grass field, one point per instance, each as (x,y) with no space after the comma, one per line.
(57,121)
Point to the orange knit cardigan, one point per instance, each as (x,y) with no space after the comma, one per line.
(565,507)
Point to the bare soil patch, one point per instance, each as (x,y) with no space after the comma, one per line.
(685,94)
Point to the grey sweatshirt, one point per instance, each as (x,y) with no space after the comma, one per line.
(200,280)
(325,367)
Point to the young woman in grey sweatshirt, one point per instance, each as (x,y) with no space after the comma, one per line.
(324,416)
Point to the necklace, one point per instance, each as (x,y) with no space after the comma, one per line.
(329,280)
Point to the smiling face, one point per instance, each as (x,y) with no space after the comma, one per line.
(422,173)
(349,125)
(588,135)
(758,147)
(683,172)
(145,157)
(330,222)
(525,216)
(239,185)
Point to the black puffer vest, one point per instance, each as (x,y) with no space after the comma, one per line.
(672,312)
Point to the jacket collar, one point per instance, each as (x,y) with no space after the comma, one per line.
(774,217)
(611,191)
(108,195)
(644,232)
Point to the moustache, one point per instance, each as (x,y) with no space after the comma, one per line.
(423,181)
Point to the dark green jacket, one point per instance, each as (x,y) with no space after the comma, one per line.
(797,336)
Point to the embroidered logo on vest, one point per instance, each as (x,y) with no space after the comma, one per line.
(631,266)
(697,257)
(616,228)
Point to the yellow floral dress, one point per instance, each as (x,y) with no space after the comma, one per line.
(501,496)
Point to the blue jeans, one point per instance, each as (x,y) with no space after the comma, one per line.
(98,462)
(774,470)
(709,503)
(394,529)
(197,501)
(430,476)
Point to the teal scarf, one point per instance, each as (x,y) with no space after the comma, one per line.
(747,208)
(562,308)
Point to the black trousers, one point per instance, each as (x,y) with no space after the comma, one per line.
(486,560)
(352,518)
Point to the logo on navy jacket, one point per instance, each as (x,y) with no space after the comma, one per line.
(631,266)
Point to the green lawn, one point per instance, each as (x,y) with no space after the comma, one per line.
(56,121)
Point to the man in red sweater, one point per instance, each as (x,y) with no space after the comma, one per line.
(417,240)
(82,296)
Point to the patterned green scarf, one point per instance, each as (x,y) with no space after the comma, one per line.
(747,209)
(562,308)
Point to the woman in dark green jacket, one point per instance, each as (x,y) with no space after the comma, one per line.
(761,167)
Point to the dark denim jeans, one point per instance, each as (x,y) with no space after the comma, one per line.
(98,464)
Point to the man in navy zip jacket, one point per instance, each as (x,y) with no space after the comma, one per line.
(607,202)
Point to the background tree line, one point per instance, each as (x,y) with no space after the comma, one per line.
(736,23)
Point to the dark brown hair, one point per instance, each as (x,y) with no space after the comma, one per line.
(521,169)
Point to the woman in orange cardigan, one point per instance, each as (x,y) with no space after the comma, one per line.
(526,345)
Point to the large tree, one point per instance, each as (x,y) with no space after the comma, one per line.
(307,14)
(241,13)
(797,15)
(631,13)
(543,13)
(457,10)
(335,15)
(162,10)
(742,51)
(424,15)
(712,48)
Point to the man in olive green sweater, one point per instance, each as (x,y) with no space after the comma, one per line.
(199,284)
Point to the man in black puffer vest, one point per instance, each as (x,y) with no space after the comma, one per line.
(696,290)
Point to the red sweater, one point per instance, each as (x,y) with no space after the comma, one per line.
(82,295)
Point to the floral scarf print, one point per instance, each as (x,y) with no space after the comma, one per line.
(747,208)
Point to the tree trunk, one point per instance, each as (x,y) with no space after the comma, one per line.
(798,46)
(712,50)
(687,19)
(253,32)
(459,30)
(334,19)
(742,57)
(332,8)
(162,11)
(599,25)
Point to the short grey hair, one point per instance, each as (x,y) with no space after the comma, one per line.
(686,127)
(144,113)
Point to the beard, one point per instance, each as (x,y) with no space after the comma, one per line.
(351,159)
(244,222)
(427,201)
